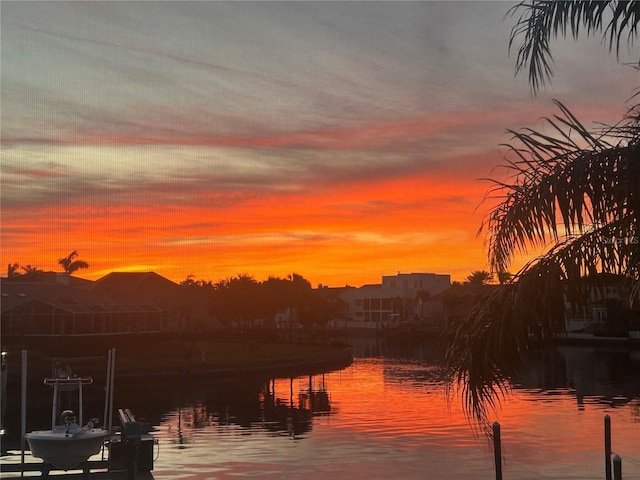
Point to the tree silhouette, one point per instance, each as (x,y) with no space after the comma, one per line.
(578,188)
(240,300)
(504,277)
(32,272)
(479,277)
(12,270)
(277,296)
(236,299)
(71,264)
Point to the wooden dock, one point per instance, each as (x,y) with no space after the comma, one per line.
(75,475)
(98,470)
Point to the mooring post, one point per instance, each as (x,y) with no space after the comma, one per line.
(23,410)
(497,450)
(607,447)
(617,467)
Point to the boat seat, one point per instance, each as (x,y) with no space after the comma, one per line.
(131,429)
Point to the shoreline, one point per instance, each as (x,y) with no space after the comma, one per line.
(169,359)
(330,358)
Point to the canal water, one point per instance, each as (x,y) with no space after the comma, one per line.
(388,415)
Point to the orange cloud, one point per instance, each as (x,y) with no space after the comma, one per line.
(350,232)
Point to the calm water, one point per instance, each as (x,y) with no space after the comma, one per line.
(387,416)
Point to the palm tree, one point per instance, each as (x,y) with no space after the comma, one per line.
(237,299)
(70,264)
(576,188)
(12,270)
(479,277)
(32,272)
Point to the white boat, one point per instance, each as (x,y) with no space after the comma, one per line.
(66,449)
(68,444)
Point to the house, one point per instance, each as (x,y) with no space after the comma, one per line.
(398,299)
(148,288)
(607,307)
(43,307)
(118,303)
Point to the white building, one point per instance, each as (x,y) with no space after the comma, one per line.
(398,299)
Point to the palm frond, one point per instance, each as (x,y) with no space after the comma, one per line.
(487,347)
(578,190)
(561,187)
(541,20)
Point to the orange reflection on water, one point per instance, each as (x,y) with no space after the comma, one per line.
(549,432)
(382,418)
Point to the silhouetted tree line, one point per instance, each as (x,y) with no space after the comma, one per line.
(70,264)
(245,303)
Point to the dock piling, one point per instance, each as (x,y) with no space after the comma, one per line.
(617,467)
(497,450)
(607,447)
(23,410)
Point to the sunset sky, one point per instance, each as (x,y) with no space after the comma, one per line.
(340,141)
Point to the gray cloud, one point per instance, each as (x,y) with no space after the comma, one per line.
(113,103)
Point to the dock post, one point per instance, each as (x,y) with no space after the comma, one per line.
(497,450)
(607,447)
(106,391)
(113,367)
(23,410)
(617,467)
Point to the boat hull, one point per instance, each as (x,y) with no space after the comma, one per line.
(65,450)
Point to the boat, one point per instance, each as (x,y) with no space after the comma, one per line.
(67,444)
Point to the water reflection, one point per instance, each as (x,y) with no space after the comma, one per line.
(283,407)
(603,375)
(388,416)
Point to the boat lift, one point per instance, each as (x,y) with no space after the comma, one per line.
(128,450)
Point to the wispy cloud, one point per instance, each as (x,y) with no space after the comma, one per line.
(335,139)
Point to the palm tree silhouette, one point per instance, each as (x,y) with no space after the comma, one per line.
(70,264)
(479,277)
(32,272)
(12,270)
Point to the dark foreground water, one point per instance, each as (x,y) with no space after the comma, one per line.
(388,416)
